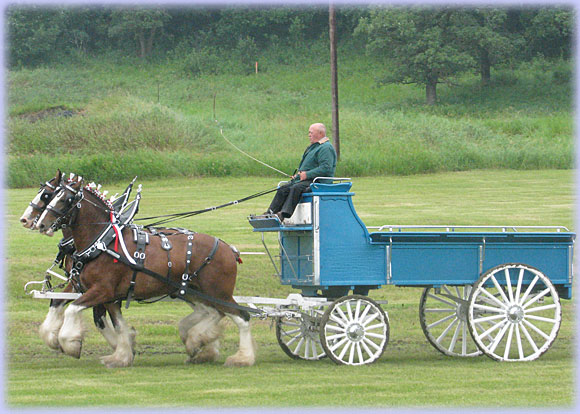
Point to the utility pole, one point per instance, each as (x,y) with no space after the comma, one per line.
(334,79)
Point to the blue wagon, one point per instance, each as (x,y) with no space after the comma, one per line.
(487,290)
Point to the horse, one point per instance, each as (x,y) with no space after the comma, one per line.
(52,323)
(209,289)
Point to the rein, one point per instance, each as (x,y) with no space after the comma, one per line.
(176,216)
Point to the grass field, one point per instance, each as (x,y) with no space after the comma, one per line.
(409,374)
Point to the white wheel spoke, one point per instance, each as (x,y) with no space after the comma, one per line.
(371,343)
(536,298)
(359,353)
(463,337)
(441,300)
(370,319)
(337,345)
(519,341)
(529,338)
(493,298)
(506,353)
(454,339)
(541,308)
(442,310)
(519,287)
(366,348)
(342,315)
(341,322)
(536,329)
(377,326)
(357,311)
(528,290)
(307,348)
(352,353)
(541,319)
(365,312)
(509,285)
(349,311)
(489,308)
(489,318)
(444,333)
(337,336)
(492,329)
(499,289)
(299,346)
(336,328)
(440,321)
(291,341)
(345,350)
(292,332)
(499,337)
(375,335)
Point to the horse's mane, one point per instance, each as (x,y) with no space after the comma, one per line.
(94,189)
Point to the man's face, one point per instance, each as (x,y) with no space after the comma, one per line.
(314,134)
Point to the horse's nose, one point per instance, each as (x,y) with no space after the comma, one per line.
(41,227)
(23,221)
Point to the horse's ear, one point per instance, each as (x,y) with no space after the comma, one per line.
(58,175)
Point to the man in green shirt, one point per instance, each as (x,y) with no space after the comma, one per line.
(319,160)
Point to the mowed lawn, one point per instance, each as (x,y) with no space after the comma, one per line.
(411,373)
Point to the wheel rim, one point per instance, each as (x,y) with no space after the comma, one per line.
(298,334)
(514,313)
(443,317)
(354,331)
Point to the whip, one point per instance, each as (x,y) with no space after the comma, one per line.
(233,145)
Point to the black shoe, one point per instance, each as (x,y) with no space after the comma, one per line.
(268,213)
(280,216)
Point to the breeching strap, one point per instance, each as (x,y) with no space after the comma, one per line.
(178,287)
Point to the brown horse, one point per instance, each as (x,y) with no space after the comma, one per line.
(53,321)
(87,214)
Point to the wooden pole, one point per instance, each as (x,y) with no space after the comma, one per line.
(334,79)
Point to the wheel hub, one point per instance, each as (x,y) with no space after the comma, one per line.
(515,314)
(461,312)
(355,332)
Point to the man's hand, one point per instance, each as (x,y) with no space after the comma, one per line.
(302,175)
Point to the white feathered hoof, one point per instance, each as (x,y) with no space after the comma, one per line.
(71,347)
(113,361)
(50,338)
(208,353)
(240,359)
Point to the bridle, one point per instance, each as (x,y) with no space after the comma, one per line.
(66,215)
(45,197)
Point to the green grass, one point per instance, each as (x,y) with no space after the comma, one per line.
(409,374)
(522,121)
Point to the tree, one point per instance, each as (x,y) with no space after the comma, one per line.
(484,34)
(420,45)
(549,32)
(141,25)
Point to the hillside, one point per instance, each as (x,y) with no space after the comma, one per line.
(112,119)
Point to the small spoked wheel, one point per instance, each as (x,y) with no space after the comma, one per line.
(514,313)
(298,334)
(443,317)
(354,330)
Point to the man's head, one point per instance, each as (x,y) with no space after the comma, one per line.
(316,132)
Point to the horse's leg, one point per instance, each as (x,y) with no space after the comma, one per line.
(52,323)
(201,342)
(70,336)
(124,353)
(189,321)
(106,328)
(246,355)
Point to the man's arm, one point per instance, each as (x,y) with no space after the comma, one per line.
(326,161)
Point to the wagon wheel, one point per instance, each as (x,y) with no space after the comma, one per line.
(514,313)
(443,317)
(354,330)
(298,336)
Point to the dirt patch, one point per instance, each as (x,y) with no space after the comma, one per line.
(54,112)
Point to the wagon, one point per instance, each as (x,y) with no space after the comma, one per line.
(486,289)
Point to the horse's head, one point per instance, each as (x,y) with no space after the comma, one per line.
(65,201)
(39,203)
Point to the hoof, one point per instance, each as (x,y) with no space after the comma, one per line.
(51,340)
(112,361)
(72,347)
(239,361)
(205,355)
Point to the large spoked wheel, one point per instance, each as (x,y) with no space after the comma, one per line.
(298,334)
(514,313)
(354,330)
(443,316)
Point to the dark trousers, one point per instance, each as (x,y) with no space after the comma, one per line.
(288,196)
